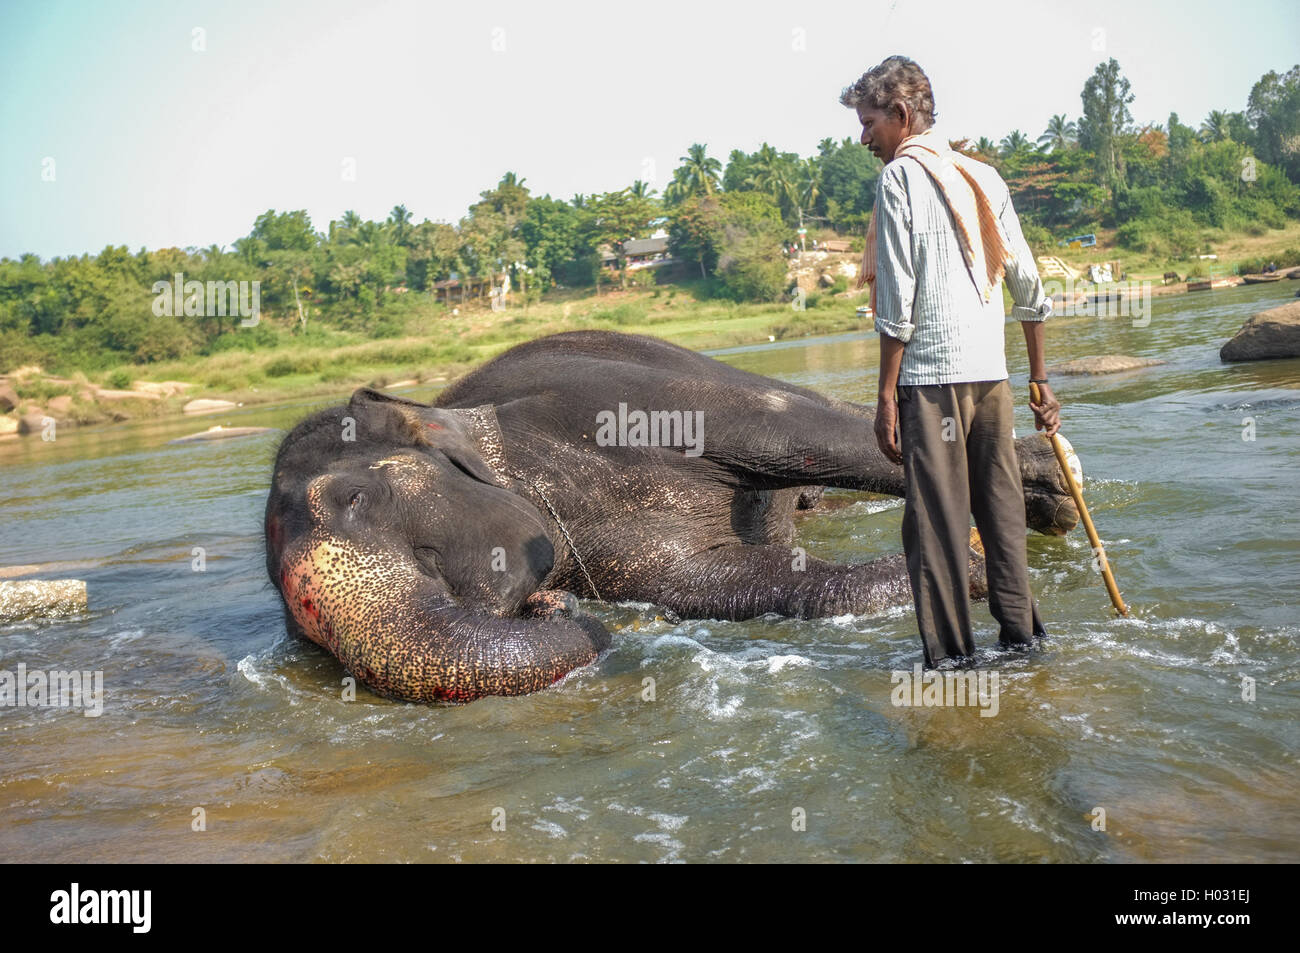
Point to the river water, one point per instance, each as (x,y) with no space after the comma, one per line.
(766,740)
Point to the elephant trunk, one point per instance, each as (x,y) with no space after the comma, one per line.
(402,633)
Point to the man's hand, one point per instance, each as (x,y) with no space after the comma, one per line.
(1047,412)
(887,429)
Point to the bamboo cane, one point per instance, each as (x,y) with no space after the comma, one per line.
(1098,550)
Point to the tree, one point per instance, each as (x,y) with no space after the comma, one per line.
(619,217)
(1014,143)
(1106,96)
(1215,127)
(400,221)
(738,173)
(287,231)
(1274,110)
(848,180)
(701,170)
(986,148)
(694,230)
(552,234)
(1059,135)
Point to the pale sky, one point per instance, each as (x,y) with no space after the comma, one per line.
(156,143)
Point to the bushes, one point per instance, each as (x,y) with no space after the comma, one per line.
(1255,266)
(262,335)
(1174,236)
(283,366)
(751,267)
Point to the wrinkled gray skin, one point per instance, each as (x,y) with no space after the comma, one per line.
(427,550)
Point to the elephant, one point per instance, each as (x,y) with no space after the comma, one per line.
(438,550)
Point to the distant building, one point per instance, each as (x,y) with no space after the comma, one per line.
(445,290)
(640,253)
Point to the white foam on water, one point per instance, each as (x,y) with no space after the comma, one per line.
(674,639)
(1115,638)
(777,662)
(549,828)
(871,507)
(124,637)
(1017,813)
(571,807)
(667,825)
(669,843)
(248,667)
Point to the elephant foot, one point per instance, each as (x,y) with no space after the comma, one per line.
(1049,508)
(745,581)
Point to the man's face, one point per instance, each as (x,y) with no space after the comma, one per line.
(882,130)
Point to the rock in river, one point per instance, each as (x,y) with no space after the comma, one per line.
(1269,334)
(1105,364)
(207,405)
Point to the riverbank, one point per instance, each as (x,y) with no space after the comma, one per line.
(325,362)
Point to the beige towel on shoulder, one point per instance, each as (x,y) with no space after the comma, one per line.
(979,233)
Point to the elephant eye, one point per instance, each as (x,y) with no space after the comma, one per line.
(356,503)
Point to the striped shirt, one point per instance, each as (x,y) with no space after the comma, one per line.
(925,296)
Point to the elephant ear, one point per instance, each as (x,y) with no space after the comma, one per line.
(408,423)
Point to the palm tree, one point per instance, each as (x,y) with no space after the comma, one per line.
(804,188)
(1059,135)
(679,189)
(641,190)
(1215,127)
(351,220)
(986,147)
(702,171)
(1013,143)
(368,233)
(400,219)
(767,173)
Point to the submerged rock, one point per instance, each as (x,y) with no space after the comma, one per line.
(1105,364)
(1270,334)
(219,433)
(41,597)
(207,405)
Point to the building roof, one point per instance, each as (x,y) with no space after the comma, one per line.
(645,246)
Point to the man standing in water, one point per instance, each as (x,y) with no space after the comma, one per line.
(943,235)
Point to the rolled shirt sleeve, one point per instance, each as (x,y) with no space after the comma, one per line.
(895,290)
(1028,302)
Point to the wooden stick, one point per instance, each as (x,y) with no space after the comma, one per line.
(1097,549)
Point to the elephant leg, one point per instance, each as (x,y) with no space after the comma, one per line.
(740,581)
(787,438)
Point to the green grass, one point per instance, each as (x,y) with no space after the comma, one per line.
(329,361)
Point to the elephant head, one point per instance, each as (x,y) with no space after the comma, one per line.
(401,550)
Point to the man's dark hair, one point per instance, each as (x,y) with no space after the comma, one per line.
(897,79)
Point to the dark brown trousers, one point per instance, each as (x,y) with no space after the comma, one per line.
(959,459)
